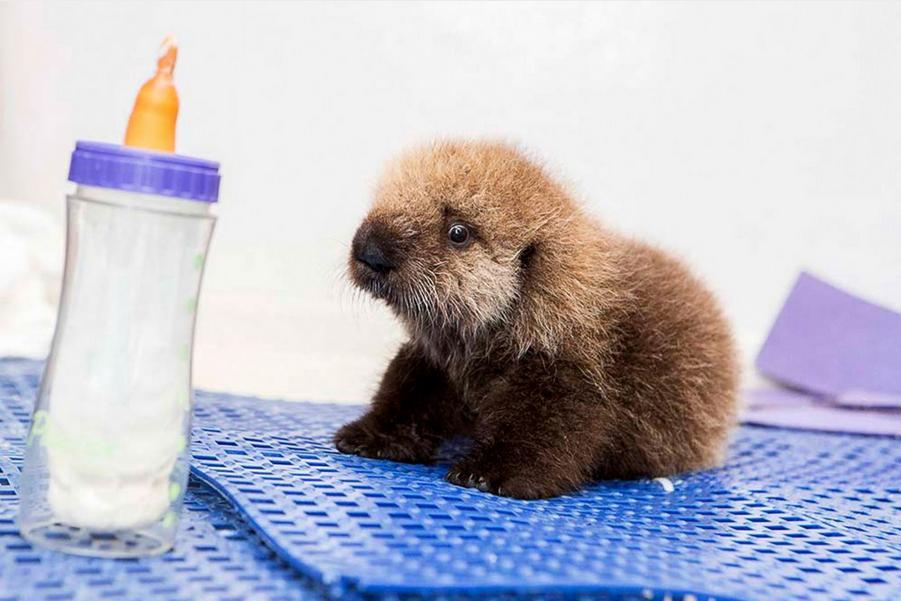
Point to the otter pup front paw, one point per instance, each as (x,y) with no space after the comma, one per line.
(376,441)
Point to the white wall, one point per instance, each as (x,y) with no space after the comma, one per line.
(753,139)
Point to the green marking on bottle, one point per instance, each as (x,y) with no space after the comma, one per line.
(38,425)
(182,443)
(191,305)
(185,352)
(169,520)
(174,490)
(198,261)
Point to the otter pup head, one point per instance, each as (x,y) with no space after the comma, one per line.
(452,232)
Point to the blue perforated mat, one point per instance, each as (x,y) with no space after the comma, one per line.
(217,555)
(794,515)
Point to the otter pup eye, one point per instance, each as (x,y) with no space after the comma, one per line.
(458,234)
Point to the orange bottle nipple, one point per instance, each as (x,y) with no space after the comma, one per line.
(152,121)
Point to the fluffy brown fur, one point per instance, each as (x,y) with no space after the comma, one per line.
(566,351)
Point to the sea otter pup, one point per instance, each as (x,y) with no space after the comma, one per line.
(566,352)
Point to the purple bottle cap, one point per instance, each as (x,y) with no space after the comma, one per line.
(144,171)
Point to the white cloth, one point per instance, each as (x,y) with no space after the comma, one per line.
(31,261)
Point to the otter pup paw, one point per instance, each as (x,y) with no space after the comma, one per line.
(515,482)
(401,444)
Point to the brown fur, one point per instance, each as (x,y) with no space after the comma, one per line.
(566,351)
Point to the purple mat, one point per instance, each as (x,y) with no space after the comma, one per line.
(840,354)
(790,409)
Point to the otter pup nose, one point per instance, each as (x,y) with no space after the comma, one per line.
(372,247)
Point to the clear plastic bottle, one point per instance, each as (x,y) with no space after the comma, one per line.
(107,457)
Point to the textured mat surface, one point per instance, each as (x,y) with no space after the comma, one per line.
(793,515)
(217,555)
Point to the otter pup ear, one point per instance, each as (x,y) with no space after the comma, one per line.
(525,256)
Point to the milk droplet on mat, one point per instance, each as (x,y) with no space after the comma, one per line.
(666,483)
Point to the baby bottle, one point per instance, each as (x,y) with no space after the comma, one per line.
(106,463)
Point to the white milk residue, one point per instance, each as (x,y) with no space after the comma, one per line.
(119,398)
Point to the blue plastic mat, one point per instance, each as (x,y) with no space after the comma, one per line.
(217,556)
(794,515)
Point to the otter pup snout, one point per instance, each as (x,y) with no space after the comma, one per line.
(564,350)
(374,248)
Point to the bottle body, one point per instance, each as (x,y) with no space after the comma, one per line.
(107,458)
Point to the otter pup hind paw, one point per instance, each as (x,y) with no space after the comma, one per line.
(518,483)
